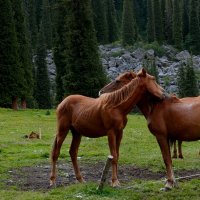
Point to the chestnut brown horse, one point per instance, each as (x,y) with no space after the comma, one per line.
(106,115)
(178,154)
(168,119)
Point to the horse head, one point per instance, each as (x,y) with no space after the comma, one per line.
(148,82)
(119,82)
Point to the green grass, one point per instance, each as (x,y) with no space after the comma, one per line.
(138,148)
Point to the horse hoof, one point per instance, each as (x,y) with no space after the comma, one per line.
(169,185)
(81,180)
(181,157)
(165,189)
(52,184)
(115,184)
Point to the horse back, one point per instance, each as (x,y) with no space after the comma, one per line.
(182,118)
(176,118)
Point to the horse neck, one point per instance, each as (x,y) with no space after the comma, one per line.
(145,105)
(127,106)
(131,95)
(125,97)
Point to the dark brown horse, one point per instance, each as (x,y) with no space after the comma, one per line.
(168,119)
(103,116)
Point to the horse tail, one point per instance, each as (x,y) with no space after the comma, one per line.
(62,107)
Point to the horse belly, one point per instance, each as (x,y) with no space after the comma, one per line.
(183,122)
(90,129)
(188,132)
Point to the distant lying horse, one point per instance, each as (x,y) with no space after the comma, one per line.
(168,119)
(106,115)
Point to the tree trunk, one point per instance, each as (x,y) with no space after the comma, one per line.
(23,103)
(14,103)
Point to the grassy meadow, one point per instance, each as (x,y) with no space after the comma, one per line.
(138,148)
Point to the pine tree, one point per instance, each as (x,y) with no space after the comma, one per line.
(181,82)
(119,8)
(84,73)
(191,88)
(194,29)
(53,12)
(100,22)
(140,12)
(177,24)
(168,21)
(154,71)
(38,12)
(46,18)
(185,19)
(11,73)
(187,82)
(158,25)
(113,31)
(150,22)
(42,79)
(60,48)
(151,68)
(24,56)
(163,9)
(129,30)
(32,29)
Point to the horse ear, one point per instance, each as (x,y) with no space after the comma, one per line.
(132,74)
(142,73)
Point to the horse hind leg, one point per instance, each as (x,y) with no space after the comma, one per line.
(76,139)
(180,154)
(165,150)
(175,150)
(63,129)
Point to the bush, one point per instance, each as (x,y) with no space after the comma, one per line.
(159,51)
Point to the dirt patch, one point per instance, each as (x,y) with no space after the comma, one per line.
(37,177)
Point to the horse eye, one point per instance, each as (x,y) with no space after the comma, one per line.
(117,81)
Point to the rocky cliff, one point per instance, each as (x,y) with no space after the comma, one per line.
(116,60)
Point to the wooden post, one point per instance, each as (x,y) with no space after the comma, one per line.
(105,172)
(40,133)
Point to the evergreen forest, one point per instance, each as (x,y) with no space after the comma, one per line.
(72,30)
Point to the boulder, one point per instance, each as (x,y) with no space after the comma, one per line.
(183,55)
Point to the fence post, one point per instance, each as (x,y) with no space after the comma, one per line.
(105,172)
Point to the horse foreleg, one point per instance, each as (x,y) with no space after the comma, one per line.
(165,149)
(76,139)
(180,155)
(113,151)
(118,142)
(175,150)
(60,137)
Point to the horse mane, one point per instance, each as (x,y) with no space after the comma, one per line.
(173,98)
(118,97)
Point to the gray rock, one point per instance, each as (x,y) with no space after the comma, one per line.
(150,54)
(138,54)
(183,55)
(169,51)
(196,62)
